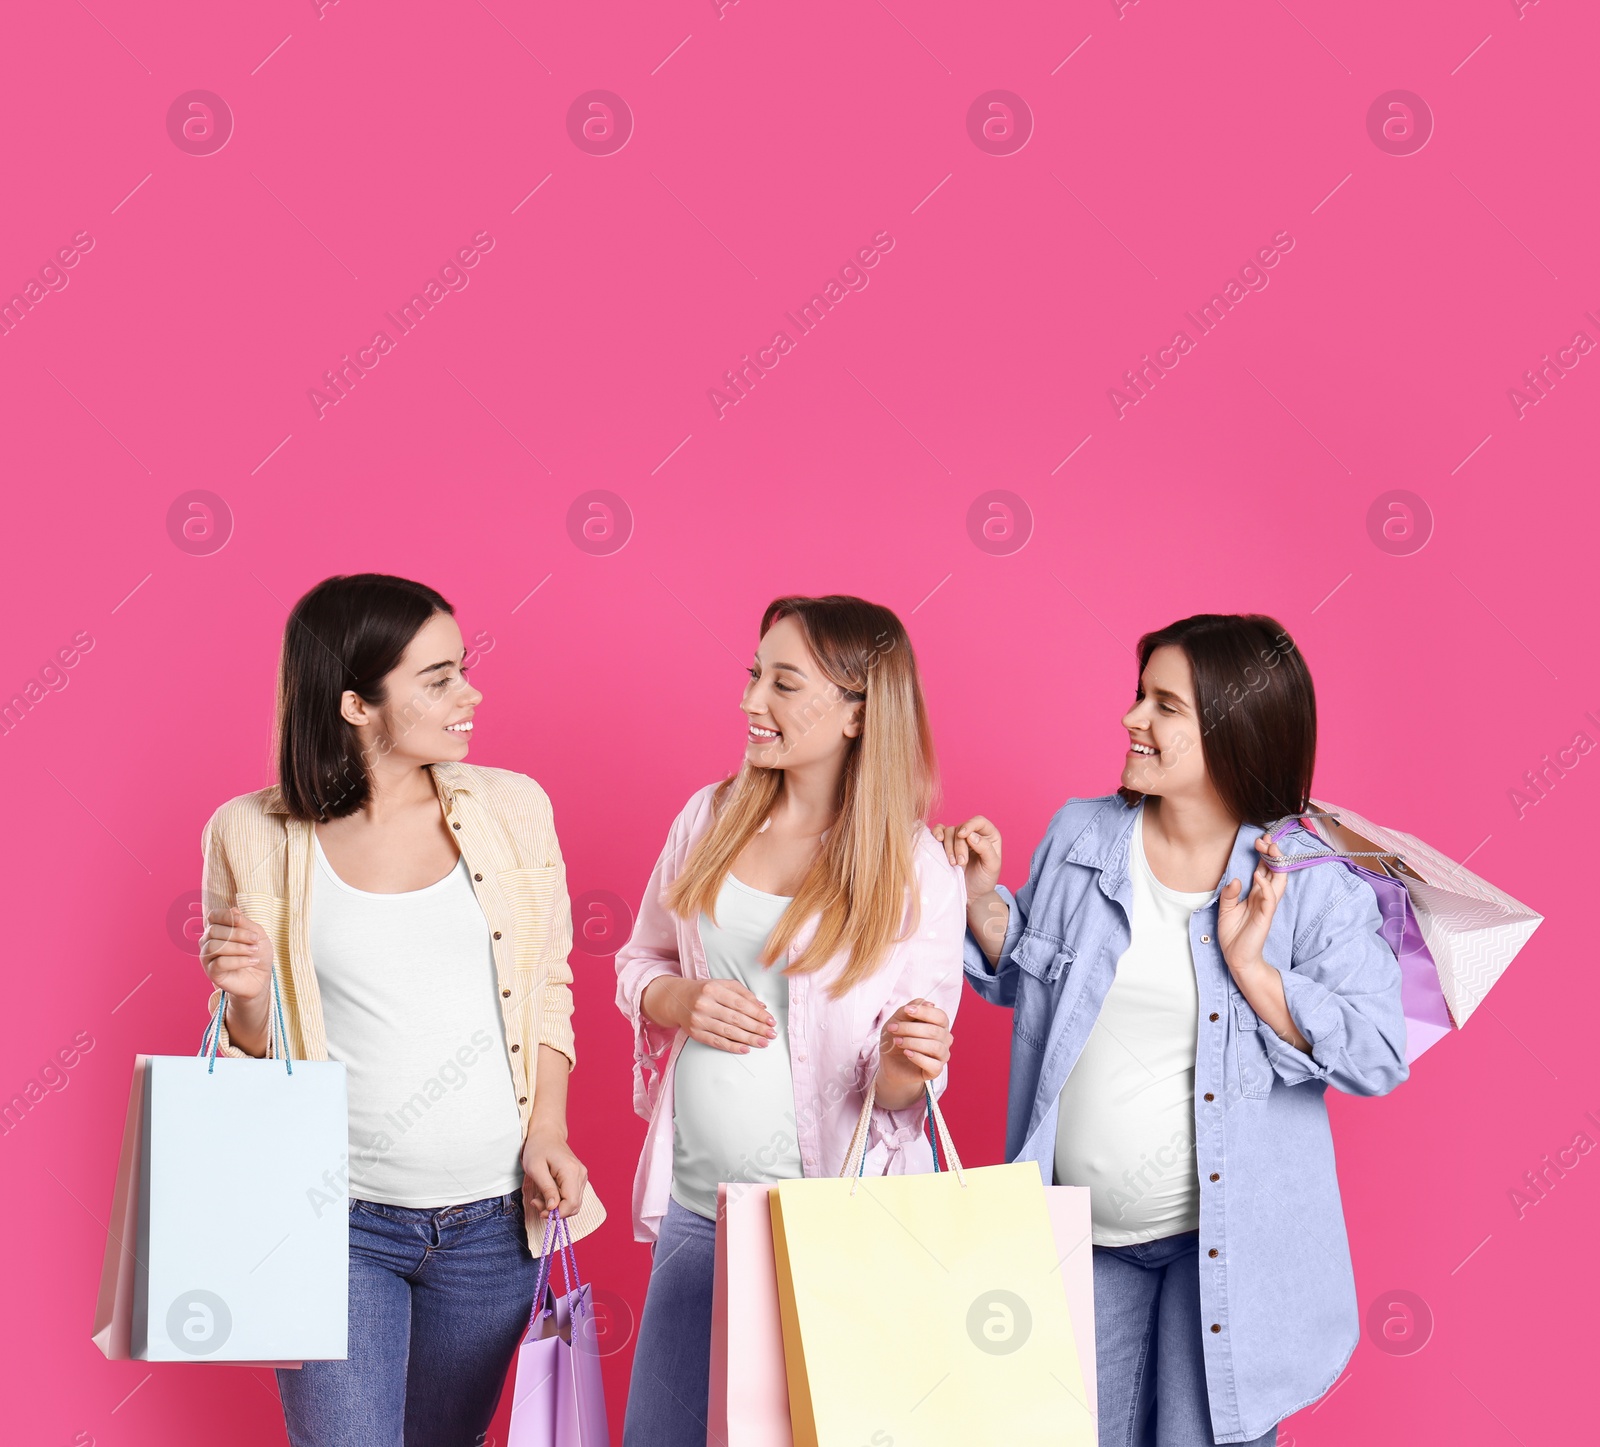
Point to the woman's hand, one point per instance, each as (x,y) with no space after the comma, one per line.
(913,1048)
(1242,925)
(975,846)
(237,954)
(552,1176)
(238,957)
(720,1013)
(1242,932)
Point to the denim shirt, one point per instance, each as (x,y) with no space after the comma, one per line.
(1277,1296)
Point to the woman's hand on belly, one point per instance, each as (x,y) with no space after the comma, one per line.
(720,1013)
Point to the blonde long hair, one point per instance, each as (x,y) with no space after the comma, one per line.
(863,874)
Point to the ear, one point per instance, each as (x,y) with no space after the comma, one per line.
(852,723)
(353,708)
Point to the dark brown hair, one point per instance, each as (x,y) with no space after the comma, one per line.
(1257,711)
(346,633)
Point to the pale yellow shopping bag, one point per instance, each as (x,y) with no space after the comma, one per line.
(925,1309)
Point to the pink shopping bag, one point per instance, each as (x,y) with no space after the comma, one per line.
(1070,1225)
(559,1399)
(749,1402)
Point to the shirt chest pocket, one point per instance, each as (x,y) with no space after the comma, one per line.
(1041,960)
(1253,1072)
(531,898)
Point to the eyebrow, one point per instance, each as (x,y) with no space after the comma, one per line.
(791,667)
(1160,692)
(435,667)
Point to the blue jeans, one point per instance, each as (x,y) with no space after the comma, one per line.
(439,1299)
(1149,1354)
(671,1381)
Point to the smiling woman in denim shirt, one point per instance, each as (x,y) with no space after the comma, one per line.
(1180,1008)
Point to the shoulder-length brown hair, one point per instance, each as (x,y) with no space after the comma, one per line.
(1256,709)
(346,633)
(863,874)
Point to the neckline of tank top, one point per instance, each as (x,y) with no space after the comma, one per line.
(1190,899)
(326,866)
(733,879)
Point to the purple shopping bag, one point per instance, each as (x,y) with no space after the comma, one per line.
(1421,997)
(559,1399)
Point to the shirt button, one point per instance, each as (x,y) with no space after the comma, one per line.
(523,1100)
(1212,1251)
(1213,1014)
(506,994)
(516,1048)
(1214,1175)
(497,934)
(478,877)
(1205,939)
(1215,1327)
(455,826)
(1209,1095)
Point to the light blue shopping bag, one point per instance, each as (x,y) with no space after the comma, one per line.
(234,1244)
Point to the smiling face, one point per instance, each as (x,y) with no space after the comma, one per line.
(795,715)
(1164,754)
(426,716)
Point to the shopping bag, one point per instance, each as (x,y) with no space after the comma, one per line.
(1072,1226)
(229,1235)
(749,1398)
(925,1308)
(559,1398)
(1454,933)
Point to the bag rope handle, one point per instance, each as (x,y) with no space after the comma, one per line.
(555,1225)
(855,1160)
(1321,856)
(277,1034)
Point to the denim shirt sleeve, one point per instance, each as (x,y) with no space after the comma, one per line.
(1343,992)
(999,985)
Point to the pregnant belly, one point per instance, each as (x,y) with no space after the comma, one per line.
(733,1115)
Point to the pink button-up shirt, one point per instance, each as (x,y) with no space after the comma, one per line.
(833,1044)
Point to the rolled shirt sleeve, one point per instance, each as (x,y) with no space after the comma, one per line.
(651,952)
(1343,993)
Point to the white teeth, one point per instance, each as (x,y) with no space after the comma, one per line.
(1142,749)
(763,733)
(460,728)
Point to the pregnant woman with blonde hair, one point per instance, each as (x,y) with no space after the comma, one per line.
(801,933)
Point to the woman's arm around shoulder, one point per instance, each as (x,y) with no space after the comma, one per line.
(996,917)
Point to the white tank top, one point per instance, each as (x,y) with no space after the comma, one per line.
(410,1006)
(733,1115)
(1126,1123)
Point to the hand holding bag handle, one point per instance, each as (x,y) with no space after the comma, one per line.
(855,1159)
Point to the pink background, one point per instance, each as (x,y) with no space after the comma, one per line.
(768,144)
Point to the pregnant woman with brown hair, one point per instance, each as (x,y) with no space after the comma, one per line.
(415,910)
